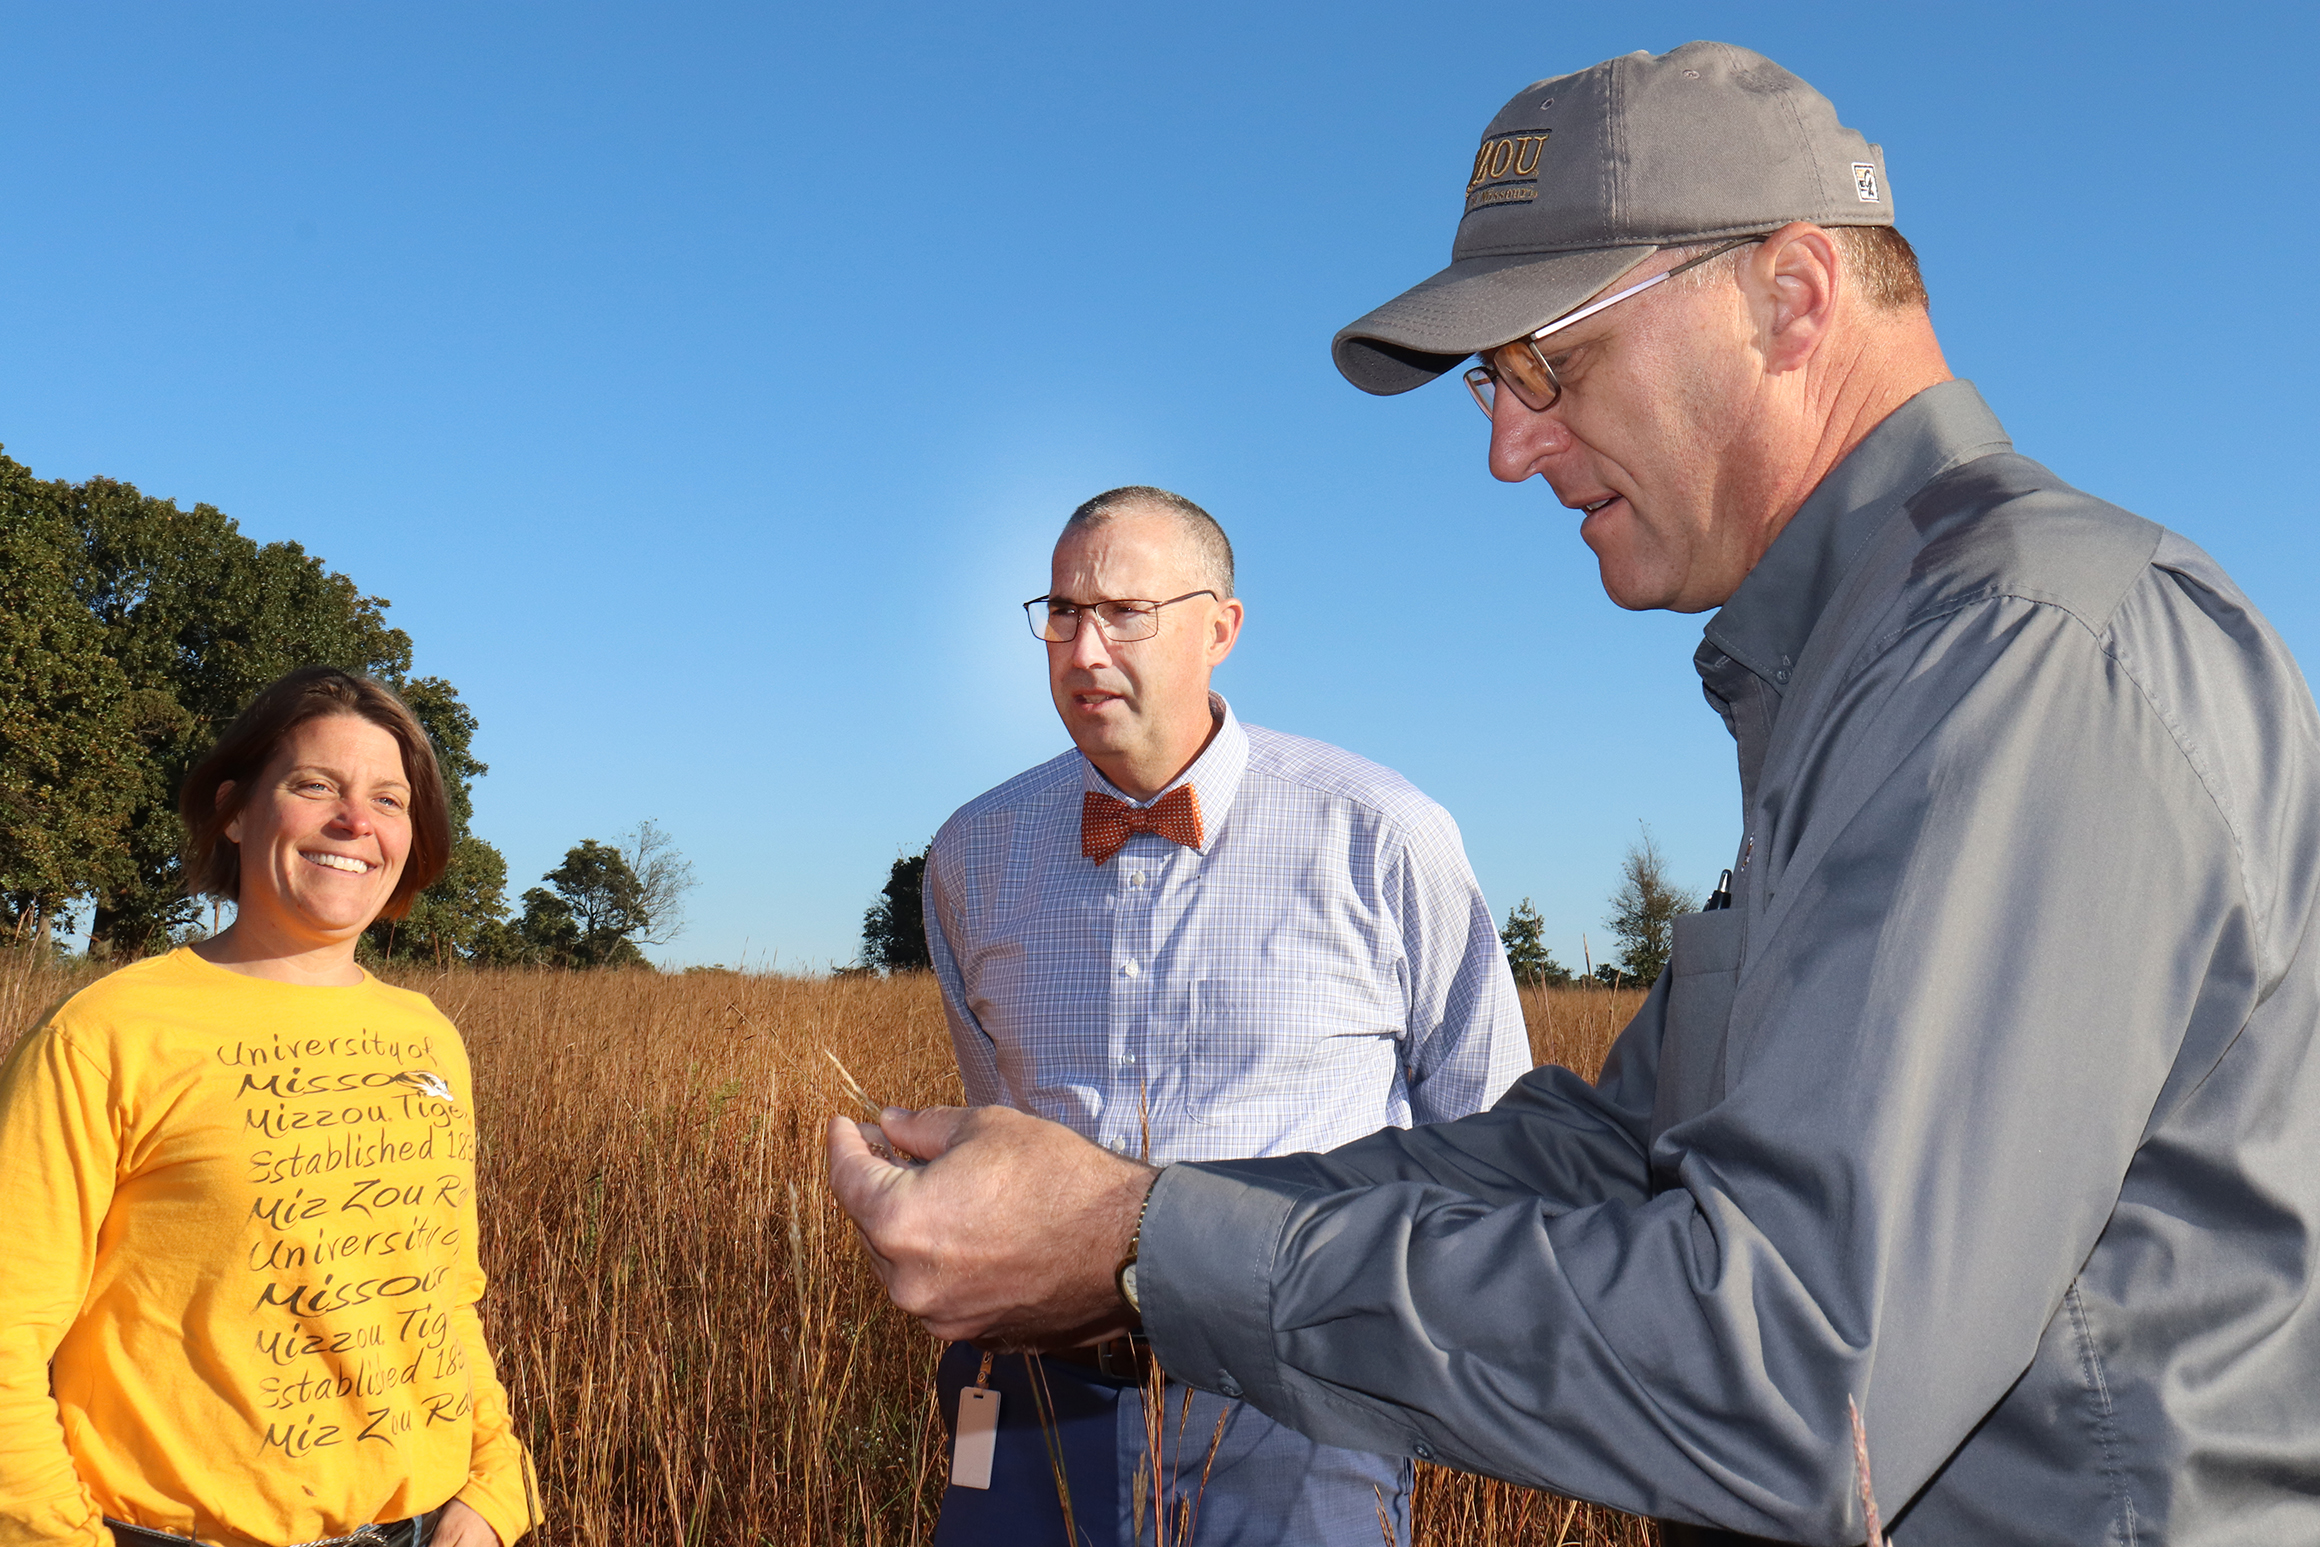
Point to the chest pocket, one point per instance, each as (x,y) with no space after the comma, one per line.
(1283,1044)
(1703,970)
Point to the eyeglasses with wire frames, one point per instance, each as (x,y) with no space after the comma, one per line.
(1524,367)
(1122,621)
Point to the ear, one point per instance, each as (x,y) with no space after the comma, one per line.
(232,829)
(1794,284)
(1224,630)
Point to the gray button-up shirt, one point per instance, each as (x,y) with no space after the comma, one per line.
(1987,1104)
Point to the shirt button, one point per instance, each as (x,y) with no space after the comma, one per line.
(1129,970)
(1136,878)
(1127,1060)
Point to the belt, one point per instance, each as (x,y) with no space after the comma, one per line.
(1123,1358)
(1674,1533)
(414,1532)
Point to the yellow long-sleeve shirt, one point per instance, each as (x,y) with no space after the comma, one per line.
(238,1266)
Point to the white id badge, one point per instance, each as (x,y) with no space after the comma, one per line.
(978,1432)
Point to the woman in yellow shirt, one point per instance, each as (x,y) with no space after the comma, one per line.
(238,1287)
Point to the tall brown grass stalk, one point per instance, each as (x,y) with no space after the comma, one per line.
(694,1345)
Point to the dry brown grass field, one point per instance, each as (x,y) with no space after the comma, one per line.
(695,1347)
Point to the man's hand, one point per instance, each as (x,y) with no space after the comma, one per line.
(1010,1234)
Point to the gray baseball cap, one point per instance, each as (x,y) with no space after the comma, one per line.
(1582,177)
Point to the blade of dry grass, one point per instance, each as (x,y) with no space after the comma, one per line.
(1876,1536)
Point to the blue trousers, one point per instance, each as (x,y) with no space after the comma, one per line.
(1257,1484)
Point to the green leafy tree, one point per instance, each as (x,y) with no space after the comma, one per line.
(500,942)
(894,929)
(1643,912)
(1526,950)
(462,916)
(200,617)
(590,914)
(599,907)
(68,776)
(546,935)
(195,618)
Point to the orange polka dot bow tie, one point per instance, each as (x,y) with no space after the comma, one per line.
(1105,823)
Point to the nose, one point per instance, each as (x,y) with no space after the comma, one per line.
(1521,440)
(353,817)
(1090,647)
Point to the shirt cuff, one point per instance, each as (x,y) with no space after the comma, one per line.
(509,1517)
(1204,1272)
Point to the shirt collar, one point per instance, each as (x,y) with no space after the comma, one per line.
(1215,775)
(1765,624)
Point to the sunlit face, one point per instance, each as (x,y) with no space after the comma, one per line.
(1658,441)
(1142,700)
(324,835)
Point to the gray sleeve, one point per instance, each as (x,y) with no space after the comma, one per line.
(1465,1041)
(1963,998)
(978,1057)
(1552,1140)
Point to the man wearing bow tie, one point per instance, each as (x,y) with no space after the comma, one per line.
(1194,939)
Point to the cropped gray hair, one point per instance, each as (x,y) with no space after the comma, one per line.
(1211,550)
(1878,258)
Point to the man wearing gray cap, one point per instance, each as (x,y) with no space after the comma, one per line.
(1980,1099)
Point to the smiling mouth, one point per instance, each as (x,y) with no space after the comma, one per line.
(345,862)
(1588,510)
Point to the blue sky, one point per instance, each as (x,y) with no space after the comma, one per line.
(704,383)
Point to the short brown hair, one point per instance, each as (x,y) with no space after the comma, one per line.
(213,862)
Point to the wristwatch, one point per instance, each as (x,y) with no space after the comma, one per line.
(1125,1274)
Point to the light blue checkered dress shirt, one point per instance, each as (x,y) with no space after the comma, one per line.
(1322,967)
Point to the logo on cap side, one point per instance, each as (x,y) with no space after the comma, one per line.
(1507,156)
(1512,155)
(1865,181)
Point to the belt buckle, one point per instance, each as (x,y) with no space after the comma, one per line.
(368,1534)
(1116,1358)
